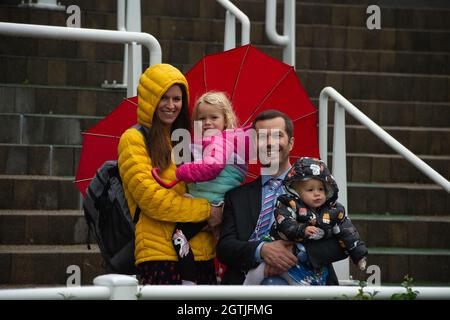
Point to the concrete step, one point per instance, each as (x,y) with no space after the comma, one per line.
(353,85)
(51,160)
(25,264)
(66,130)
(58,100)
(42,227)
(38,193)
(420,140)
(45,129)
(347,14)
(188,52)
(52,193)
(16,98)
(425,266)
(397,198)
(397,113)
(207,29)
(385,168)
(378,86)
(404,231)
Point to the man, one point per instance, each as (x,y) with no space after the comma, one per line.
(248,210)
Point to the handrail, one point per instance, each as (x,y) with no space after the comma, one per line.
(230,25)
(123,287)
(339,164)
(128,19)
(287,40)
(43,4)
(97,35)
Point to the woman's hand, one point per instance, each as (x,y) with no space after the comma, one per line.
(216,217)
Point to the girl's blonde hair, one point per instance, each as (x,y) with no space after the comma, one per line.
(222,102)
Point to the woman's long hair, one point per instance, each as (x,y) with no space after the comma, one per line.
(159,145)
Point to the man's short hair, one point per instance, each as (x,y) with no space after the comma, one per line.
(271,114)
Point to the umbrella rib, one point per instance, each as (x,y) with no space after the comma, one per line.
(239,72)
(132,102)
(305,116)
(204,75)
(82,180)
(100,135)
(268,95)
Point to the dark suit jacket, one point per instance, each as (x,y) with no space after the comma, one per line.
(240,215)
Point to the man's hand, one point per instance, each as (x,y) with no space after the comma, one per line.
(216,217)
(270,271)
(278,254)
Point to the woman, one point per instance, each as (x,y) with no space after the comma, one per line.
(162,108)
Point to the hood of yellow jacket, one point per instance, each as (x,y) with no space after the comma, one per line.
(153,83)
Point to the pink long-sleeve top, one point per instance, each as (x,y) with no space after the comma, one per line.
(213,153)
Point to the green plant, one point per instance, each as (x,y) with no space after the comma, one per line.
(409,294)
(361,295)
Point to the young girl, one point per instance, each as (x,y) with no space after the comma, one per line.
(217,170)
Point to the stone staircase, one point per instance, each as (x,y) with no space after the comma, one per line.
(399,76)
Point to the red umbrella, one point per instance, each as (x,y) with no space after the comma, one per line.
(100,142)
(256,82)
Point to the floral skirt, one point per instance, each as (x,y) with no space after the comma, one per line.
(166,272)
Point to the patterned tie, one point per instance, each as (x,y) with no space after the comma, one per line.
(267,208)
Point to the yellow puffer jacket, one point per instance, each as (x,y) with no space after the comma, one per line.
(160,207)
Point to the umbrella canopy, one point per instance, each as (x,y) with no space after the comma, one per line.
(253,80)
(100,141)
(256,82)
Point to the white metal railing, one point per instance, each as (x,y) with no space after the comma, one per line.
(43,4)
(342,105)
(128,19)
(96,35)
(287,40)
(232,13)
(339,164)
(122,287)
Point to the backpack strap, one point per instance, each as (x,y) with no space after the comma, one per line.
(144,131)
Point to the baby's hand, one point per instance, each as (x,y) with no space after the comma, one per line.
(314,233)
(362,264)
(188,195)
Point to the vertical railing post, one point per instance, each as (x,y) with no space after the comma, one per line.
(232,13)
(230,31)
(287,40)
(121,26)
(133,15)
(339,166)
(323,126)
(132,75)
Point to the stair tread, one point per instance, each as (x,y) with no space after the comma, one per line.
(411,186)
(6,212)
(409,251)
(35,177)
(394,217)
(48,249)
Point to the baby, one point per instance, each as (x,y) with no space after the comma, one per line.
(309,212)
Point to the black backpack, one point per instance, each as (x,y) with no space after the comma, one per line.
(109,219)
